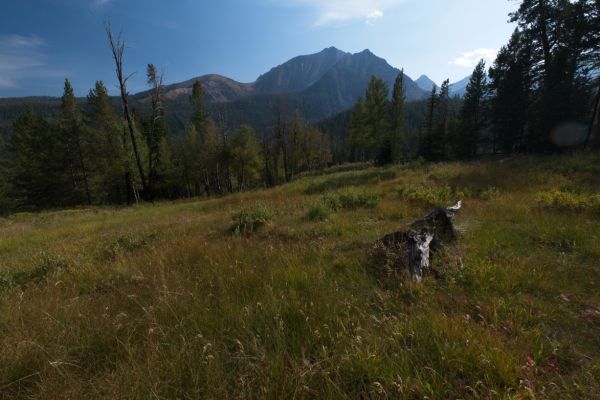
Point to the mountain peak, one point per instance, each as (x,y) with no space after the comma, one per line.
(300,72)
(426,83)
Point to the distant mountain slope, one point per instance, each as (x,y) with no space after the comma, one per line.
(425,83)
(347,80)
(459,88)
(216,88)
(316,85)
(299,73)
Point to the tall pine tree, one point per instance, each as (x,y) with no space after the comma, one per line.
(112,180)
(34,165)
(376,121)
(511,96)
(75,146)
(470,124)
(398,145)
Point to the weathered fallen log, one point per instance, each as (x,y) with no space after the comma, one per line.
(410,250)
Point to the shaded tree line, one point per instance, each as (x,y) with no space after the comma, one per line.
(540,95)
(94,154)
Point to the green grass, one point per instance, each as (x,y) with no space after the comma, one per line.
(164,302)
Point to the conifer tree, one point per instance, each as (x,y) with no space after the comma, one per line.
(74,144)
(200,116)
(427,138)
(357,130)
(211,145)
(376,120)
(561,36)
(471,115)
(245,156)
(155,127)
(434,143)
(110,161)
(511,96)
(34,165)
(191,162)
(6,200)
(439,149)
(399,131)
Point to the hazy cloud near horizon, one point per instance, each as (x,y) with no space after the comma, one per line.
(337,11)
(19,55)
(100,3)
(470,59)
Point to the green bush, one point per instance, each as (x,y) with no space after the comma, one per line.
(352,199)
(250,218)
(128,243)
(44,265)
(332,201)
(320,211)
(569,201)
(434,196)
(349,199)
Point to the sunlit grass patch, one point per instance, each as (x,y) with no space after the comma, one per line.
(345,179)
(443,195)
(569,201)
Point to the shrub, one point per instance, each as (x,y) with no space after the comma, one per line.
(433,196)
(349,199)
(44,265)
(320,211)
(352,199)
(128,243)
(250,218)
(489,194)
(332,201)
(569,201)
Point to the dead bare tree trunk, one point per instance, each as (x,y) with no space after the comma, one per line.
(594,133)
(411,249)
(118,48)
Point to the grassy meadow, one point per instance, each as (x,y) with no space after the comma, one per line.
(279,294)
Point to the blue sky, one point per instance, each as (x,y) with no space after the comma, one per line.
(44,41)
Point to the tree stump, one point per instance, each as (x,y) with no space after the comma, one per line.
(410,250)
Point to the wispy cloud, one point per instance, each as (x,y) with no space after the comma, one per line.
(20,56)
(100,3)
(471,58)
(374,16)
(337,11)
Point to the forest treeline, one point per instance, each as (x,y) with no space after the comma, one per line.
(540,95)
